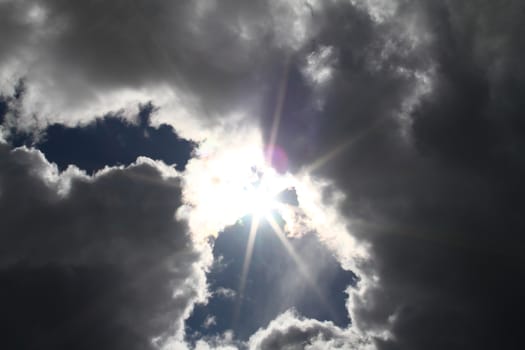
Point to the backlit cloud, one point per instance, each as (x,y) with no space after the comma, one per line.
(398,129)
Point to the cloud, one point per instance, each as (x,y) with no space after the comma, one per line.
(192,59)
(226,293)
(210,321)
(290,331)
(118,267)
(434,195)
(405,115)
(224,341)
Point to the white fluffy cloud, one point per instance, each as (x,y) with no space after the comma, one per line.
(290,331)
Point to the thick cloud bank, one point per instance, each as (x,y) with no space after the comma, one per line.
(93,262)
(436,191)
(410,110)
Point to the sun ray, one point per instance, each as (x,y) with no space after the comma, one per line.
(278,111)
(325,158)
(248,254)
(246,265)
(338,149)
(300,264)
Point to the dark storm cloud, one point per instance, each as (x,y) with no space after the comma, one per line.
(437,193)
(424,108)
(92,261)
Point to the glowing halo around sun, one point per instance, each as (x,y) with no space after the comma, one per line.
(232,178)
(233,175)
(228,180)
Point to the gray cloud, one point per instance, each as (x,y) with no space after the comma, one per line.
(436,192)
(193,59)
(109,245)
(421,110)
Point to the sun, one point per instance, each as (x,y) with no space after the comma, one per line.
(260,195)
(224,185)
(233,179)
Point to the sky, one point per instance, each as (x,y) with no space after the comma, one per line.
(280,174)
